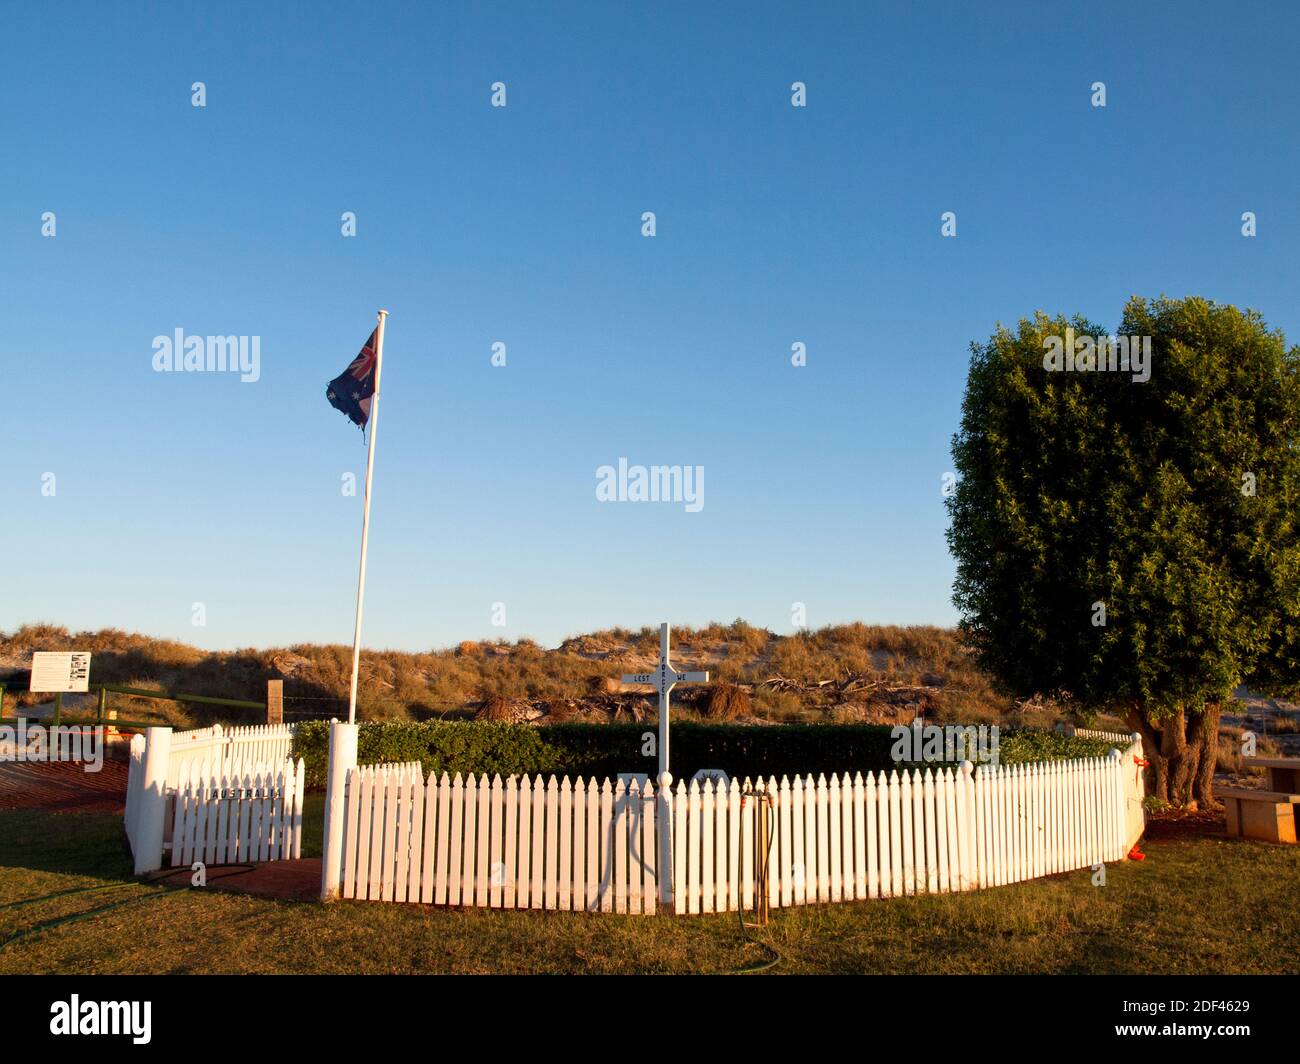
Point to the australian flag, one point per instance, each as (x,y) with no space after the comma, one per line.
(352,389)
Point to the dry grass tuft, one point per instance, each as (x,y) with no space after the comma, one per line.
(728,702)
(495,708)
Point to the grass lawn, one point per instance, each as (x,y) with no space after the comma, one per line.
(1197,904)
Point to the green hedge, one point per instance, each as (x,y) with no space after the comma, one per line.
(600,750)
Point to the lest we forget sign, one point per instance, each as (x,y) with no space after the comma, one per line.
(57,672)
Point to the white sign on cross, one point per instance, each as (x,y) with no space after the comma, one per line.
(665,678)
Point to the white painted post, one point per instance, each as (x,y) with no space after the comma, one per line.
(342,759)
(152,809)
(665,687)
(664,837)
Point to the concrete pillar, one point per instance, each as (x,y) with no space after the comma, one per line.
(152,813)
(342,758)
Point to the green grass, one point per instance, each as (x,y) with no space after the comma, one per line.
(1195,905)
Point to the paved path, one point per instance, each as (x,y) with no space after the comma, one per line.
(63,787)
(287,880)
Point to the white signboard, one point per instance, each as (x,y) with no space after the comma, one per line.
(716,774)
(60,671)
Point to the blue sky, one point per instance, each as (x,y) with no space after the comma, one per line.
(522,224)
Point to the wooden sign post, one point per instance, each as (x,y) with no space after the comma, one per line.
(665,678)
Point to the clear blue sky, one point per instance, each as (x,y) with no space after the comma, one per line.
(479,224)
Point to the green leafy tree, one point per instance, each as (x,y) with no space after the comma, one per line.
(1134,545)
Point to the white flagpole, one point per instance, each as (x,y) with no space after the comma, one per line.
(365,516)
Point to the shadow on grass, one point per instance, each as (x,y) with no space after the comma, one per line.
(82,844)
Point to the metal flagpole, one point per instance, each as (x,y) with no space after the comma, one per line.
(365,517)
(664,688)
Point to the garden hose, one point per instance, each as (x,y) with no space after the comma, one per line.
(760,877)
(74,917)
(167,873)
(65,893)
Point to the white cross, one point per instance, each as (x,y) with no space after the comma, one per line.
(665,677)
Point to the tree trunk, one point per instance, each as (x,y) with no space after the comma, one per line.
(1204,783)
(1183,752)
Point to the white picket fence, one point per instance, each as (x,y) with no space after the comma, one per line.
(514,844)
(155,774)
(910,832)
(1089,733)
(228,812)
(584,845)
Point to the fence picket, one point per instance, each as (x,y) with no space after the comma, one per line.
(199,817)
(649,852)
(564,899)
(783,848)
(721,832)
(707,878)
(222,847)
(483,839)
(618,841)
(551,882)
(442,858)
(835,871)
(469,845)
(871,829)
(908,837)
(895,834)
(949,852)
(694,887)
(537,842)
(375,859)
(414,850)
(679,841)
(456,842)
(524,826)
(886,881)
(733,846)
(633,818)
(591,811)
(510,844)
(401,812)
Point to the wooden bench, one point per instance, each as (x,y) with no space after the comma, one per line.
(1259,814)
(1283,772)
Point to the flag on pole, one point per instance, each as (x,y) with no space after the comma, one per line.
(355,392)
(351,390)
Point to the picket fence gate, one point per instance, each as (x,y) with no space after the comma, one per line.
(599,846)
(269,743)
(237,812)
(163,762)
